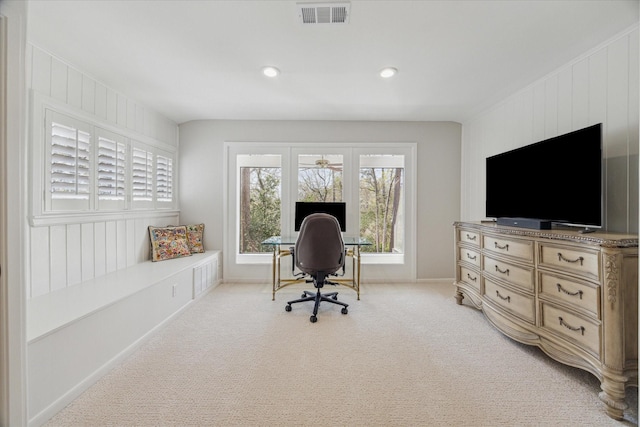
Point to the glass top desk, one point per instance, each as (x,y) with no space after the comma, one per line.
(282,247)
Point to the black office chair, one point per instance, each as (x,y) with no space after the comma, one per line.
(319,252)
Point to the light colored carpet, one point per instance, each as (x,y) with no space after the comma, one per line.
(405,355)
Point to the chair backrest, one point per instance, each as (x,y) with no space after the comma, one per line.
(319,247)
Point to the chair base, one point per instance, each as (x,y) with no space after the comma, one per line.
(318,297)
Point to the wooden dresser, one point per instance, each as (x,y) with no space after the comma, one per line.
(573,295)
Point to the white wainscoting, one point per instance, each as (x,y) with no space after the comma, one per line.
(66,255)
(599,87)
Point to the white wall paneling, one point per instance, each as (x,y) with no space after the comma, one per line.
(599,87)
(70,252)
(40,250)
(52,77)
(57,257)
(66,255)
(100,248)
(74,255)
(88,251)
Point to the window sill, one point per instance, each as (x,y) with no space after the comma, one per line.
(63,218)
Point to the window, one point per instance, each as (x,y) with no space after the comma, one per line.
(374,180)
(164,179)
(259,201)
(319,178)
(81,165)
(69,144)
(382,202)
(112,170)
(141,177)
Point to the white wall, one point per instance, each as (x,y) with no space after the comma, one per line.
(599,87)
(202,180)
(62,255)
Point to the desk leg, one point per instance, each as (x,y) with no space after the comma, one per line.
(357,248)
(273,273)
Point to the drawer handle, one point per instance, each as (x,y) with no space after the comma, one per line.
(507,298)
(502,271)
(573,261)
(472,258)
(505,247)
(470,237)
(566,325)
(573,294)
(471,278)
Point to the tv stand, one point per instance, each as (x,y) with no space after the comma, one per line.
(573,295)
(587,230)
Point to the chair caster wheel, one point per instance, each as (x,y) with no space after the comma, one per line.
(287,308)
(335,297)
(313,319)
(344,310)
(303,295)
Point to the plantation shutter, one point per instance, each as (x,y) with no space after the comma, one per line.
(112,170)
(142,176)
(69,155)
(164,179)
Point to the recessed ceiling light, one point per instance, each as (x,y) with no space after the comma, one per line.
(388,72)
(270,71)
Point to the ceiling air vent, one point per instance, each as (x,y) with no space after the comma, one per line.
(323,13)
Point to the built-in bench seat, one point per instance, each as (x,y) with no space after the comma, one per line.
(77,334)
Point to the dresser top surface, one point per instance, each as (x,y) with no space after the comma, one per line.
(600,238)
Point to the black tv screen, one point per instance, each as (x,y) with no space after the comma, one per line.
(558,179)
(337,209)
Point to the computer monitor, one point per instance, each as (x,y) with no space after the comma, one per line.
(337,209)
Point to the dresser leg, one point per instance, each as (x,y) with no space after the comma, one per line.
(613,394)
(459,296)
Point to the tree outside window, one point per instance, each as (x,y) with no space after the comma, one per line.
(381,202)
(259,206)
(319,178)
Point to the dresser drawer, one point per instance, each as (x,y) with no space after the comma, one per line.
(582,295)
(469,255)
(575,328)
(570,259)
(470,277)
(470,237)
(516,303)
(520,249)
(516,275)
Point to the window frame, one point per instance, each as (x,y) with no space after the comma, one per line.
(147,200)
(118,203)
(162,201)
(231,238)
(42,212)
(63,204)
(385,257)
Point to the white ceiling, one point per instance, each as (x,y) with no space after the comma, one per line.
(202,59)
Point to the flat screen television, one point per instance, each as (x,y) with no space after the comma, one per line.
(558,180)
(337,209)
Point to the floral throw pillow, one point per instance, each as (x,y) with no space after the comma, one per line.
(168,242)
(194,238)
